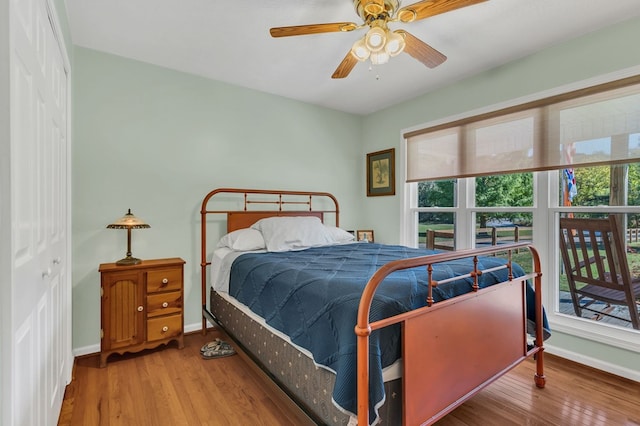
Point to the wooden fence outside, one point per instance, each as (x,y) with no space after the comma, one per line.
(633,235)
(444,239)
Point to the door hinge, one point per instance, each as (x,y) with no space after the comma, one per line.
(101,292)
(101,333)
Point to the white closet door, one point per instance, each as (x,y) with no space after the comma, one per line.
(39,164)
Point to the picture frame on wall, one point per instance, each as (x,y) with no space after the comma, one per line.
(381,173)
(365,235)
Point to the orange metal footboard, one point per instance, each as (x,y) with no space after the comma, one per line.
(454,348)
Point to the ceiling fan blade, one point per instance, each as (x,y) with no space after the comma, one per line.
(426,8)
(312,29)
(345,66)
(422,51)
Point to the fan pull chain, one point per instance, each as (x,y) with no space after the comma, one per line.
(371,69)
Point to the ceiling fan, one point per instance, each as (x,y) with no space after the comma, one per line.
(380,43)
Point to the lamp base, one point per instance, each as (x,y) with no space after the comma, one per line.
(127,261)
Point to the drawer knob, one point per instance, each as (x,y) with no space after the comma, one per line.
(165,281)
(140,308)
(165,304)
(165,329)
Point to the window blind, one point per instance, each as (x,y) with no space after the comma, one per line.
(597,125)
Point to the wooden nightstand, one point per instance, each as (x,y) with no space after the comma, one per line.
(141,306)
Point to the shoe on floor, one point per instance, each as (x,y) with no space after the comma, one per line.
(209,346)
(216,349)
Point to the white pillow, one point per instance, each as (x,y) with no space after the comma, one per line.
(339,235)
(285,233)
(243,240)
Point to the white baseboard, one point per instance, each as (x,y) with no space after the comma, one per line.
(94,349)
(86,350)
(594,363)
(189,328)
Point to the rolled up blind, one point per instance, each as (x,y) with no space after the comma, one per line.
(597,125)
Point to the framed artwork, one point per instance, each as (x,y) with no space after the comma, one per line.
(381,178)
(365,235)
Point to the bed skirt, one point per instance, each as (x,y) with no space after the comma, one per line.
(309,386)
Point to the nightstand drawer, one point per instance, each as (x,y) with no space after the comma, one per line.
(164,327)
(164,303)
(164,280)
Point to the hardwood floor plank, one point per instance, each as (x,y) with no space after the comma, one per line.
(168,386)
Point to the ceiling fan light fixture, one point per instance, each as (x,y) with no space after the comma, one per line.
(395,44)
(360,50)
(407,15)
(379,43)
(375,39)
(374,7)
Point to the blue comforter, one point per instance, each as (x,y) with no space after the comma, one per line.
(312,295)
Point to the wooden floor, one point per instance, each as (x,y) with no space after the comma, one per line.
(178,387)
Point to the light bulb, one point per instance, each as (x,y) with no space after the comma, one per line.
(375,39)
(395,44)
(359,50)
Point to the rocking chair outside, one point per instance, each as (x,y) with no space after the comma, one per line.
(595,262)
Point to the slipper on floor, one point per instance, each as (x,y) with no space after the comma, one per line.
(210,345)
(216,349)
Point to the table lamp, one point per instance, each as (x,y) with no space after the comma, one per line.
(128,222)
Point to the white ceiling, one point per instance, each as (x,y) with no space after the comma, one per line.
(229,41)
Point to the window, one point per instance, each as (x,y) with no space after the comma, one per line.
(594,192)
(512,173)
(436,229)
(502,206)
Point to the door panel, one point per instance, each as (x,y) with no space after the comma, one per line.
(40,299)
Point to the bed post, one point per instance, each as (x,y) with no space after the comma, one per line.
(203,260)
(203,256)
(363,369)
(539,377)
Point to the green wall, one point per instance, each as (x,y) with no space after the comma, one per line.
(595,54)
(156,141)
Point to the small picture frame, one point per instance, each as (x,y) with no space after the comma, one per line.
(365,235)
(381,178)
